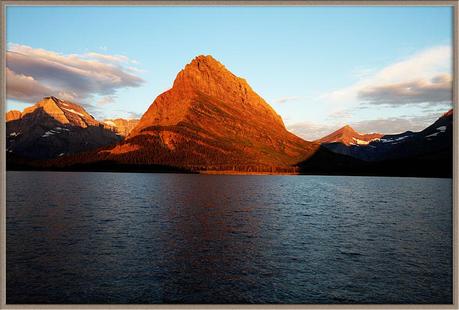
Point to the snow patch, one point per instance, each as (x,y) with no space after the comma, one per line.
(360,142)
(54,131)
(393,140)
(73,111)
(442,128)
(433,135)
(48,133)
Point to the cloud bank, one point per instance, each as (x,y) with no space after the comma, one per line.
(34,73)
(424,77)
(436,90)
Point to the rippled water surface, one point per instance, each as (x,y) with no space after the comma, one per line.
(171,238)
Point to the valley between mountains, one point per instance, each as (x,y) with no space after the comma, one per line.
(212,121)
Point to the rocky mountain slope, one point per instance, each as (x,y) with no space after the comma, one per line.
(53,128)
(210,120)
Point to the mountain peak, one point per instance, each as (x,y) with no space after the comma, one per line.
(206,74)
(347,128)
(49,106)
(52,98)
(65,112)
(449,113)
(206,81)
(205,59)
(348,136)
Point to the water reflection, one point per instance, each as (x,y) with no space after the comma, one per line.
(153,238)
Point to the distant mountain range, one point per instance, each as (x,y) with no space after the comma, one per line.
(121,126)
(435,139)
(211,120)
(427,153)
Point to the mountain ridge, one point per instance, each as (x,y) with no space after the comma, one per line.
(349,136)
(211,119)
(432,139)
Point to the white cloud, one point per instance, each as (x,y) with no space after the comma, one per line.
(311,130)
(285,99)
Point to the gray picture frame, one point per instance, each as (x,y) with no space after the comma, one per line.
(3,253)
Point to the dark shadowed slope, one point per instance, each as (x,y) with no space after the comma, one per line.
(436,138)
(425,153)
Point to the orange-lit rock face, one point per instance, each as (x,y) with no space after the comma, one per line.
(123,148)
(348,136)
(12,115)
(205,78)
(212,117)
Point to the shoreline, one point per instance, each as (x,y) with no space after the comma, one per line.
(212,172)
(232,172)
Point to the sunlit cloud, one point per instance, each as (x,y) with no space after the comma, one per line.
(436,90)
(25,88)
(424,77)
(33,73)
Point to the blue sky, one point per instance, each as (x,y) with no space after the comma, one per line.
(319,67)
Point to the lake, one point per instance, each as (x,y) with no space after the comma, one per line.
(180,238)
